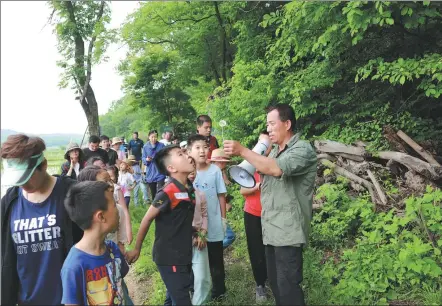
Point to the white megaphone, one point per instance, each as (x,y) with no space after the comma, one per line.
(243,173)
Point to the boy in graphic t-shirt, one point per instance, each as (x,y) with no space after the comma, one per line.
(93,271)
(173,210)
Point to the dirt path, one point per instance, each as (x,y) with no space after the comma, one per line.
(137,287)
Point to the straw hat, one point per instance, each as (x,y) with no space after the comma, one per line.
(130,160)
(116,140)
(218,155)
(72,146)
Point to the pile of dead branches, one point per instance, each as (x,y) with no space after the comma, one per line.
(408,166)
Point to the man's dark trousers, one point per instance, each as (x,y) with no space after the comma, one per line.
(177,281)
(284,270)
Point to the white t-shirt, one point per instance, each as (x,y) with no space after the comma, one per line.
(125,180)
(165,142)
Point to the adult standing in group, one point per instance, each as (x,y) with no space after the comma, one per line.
(116,145)
(253,229)
(290,169)
(154,178)
(74,161)
(37,233)
(112,154)
(135,147)
(94,149)
(167,139)
(204,127)
(123,146)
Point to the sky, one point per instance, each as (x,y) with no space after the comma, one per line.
(31,101)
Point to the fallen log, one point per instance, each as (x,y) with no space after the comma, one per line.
(421,151)
(326,156)
(413,163)
(351,176)
(393,139)
(351,156)
(329,146)
(378,187)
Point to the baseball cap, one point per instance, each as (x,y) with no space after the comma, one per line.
(17,173)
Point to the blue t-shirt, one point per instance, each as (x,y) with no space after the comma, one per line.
(94,280)
(136,146)
(137,173)
(38,241)
(211,182)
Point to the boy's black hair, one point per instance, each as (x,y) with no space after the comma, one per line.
(264,132)
(194,138)
(94,139)
(84,199)
(93,159)
(89,173)
(135,133)
(161,157)
(203,118)
(104,137)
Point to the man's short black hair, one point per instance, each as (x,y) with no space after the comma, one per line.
(264,132)
(203,118)
(135,133)
(94,139)
(104,137)
(161,157)
(285,112)
(84,199)
(93,159)
(194,138)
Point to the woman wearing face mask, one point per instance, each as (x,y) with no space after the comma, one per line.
(74,161)
(154,178)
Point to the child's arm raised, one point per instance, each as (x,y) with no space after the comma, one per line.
(161,203)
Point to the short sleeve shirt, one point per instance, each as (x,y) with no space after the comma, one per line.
(94,280)
(211,183)
(39,243)
(173,225)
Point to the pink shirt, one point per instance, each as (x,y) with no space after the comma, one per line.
(200,214)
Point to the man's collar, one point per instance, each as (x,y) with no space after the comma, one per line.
(294,139)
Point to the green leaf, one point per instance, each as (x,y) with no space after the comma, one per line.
(402,80)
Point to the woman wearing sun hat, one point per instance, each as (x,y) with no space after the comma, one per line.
(116,144)
(74,161)
(37,233)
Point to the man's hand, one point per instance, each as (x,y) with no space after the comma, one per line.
(233,148)
(132,256)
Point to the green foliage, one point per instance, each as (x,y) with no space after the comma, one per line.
(382,256)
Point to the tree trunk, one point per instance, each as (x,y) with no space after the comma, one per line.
(92,112)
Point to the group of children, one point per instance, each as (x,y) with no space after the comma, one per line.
(190,226)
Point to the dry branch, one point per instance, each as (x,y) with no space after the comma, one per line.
(378,187)
(422,152)
(351,176)
(413,163)
(334,147)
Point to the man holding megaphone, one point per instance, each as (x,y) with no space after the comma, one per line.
(288,178)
